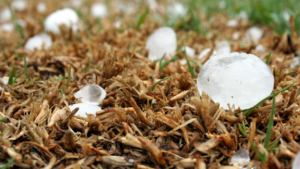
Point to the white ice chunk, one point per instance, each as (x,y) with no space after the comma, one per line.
(204,53)
(189,51)
(99,10)
(19,5)
(236,78)
(152,4)
(253,34)
(5,15)
(243,16)
(5,80)
(66,16)
(76,3)
(117,24)
(232,23)
(9,27)
(37,41)
(41,7)
(222,47)
(161,41)
(241,158)
(260,48)
(236,35)
(91,94)
(295,62)
(222,4)
(177,10)
(296,163)
(85,108)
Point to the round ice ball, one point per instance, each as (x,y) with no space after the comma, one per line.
(37,42)
(236,78)
(162,41)
(66,16)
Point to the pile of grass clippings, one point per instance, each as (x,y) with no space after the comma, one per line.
(152,116)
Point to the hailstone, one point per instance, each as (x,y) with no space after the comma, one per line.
(5,80)
(253,35)
(241,158)
(162,41)
(177,9)
(189,51)
(91,94)
(236,78)
(5,14)
(99,10)
(37,41)
(84,108)
(296,163)
(66,16)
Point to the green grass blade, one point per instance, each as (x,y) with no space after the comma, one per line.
(192,71)
(159,82)
(8,164)
(3,120)
(268,58)
(69,76)
(11,75)
(99,23)
(161,59)
(198,64)
(142,18)
(167,62)
(242,130)
(270,125)
(15,20)
(249,111)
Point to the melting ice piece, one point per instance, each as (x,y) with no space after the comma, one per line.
(296,163)
(66,16)
(204,53)
(85,108)
(241,158)
(91,94)
(177,9)
(260,48)
(99,10)
(235,78)
(222,47)
(253,34)
(5,15)
(295,62)
(236,35)
(19,5)
(37,41)
(232,23)
(5,80)
(161,41)
(41,7)
(189,51)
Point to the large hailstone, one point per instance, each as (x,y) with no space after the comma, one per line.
(84,108)
(37,41)
(91,94)
(99,10)
(253,35)
(236,78)
(162,41)
(66,16)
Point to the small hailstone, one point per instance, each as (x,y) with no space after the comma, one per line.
(177,9)
(99,10)
(232,23)
(9,27)
(260,48)
(161,41)
(241,158)
(66,16)
(295,62)
(189,51)
(19,5)
(152,4)
(37,41)
(5,80)
(41,7)
(222,4)
(243,16)
(296,163)
(236,78)
(222,47)
(91,94)
(5,15)
(236,35)
(117,24)
(253,34)
(84,108)
(286,15)
(76,3)
(204,53)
